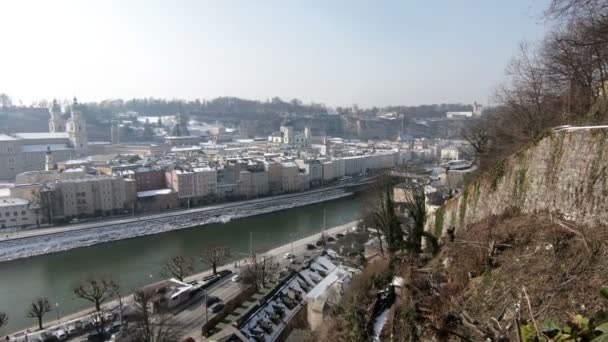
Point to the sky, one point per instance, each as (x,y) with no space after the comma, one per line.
(369,53)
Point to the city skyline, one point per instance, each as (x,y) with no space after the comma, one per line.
(338,54)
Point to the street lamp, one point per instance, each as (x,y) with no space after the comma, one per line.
(206,312)
(57,309)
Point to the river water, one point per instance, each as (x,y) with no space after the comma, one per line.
(136,262)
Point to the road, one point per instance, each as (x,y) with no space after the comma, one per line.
(193,315)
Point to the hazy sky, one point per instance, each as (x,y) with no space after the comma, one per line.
(335,52)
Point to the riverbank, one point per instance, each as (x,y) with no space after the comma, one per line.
(297,247)
(53,240)
(133,263)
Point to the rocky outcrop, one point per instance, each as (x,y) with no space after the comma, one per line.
(565,172)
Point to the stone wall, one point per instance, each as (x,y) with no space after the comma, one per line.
(565,172)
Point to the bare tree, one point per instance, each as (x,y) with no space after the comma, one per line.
(415,207)
(100,323)
(178,267)
(3,319)
(260,271)
(39,308)
(216,257)
(5,101)
(478,136)
(150,326)
(386,221)
(97,291)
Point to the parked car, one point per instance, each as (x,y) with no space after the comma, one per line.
(72,330)
(320,243)
(98,337)
(330,239)
(47,337)
(108,317)
(236,278)
(310,247)
(339,235)
(217,307)
(114,328)
(289,256)
(61,335)
(212,300)
(224,273)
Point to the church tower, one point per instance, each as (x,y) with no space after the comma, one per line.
(77,130)
(57,121)
(307,136)
(48,160)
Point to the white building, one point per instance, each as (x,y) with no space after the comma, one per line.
(253,184)
(355,165)
(290,177)
(450,153)
(457,115)
(313,168)
(205,181)
(16,212)
(328,171)
(66,139)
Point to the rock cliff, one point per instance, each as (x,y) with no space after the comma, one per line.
(564,173)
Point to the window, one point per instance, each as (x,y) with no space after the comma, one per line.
(22,212)
(7,214)
(15,213)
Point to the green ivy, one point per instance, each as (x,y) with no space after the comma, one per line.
(498,173)
(439,221)
(578,328)
(520,187)
(463,207)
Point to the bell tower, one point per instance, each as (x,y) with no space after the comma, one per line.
(77,129)
(57,122)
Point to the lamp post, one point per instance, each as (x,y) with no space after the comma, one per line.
(57,309)
(120,306)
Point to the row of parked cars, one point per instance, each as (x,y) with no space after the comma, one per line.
(76,328)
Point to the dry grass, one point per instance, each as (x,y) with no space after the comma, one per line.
(561,268)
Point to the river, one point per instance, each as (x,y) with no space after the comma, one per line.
(136,262)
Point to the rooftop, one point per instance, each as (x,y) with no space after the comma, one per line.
(42,135)
(10,201)
(4,137)
(43,147)
(151,193)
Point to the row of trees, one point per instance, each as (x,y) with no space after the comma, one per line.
(560,80)
(149,326)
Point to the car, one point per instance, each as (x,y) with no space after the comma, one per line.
(224,273)
(289,256)
(217,307)
(114,328)
(236,278)
(212,300)
(98,337)
(18,337)
(71,330)
(330,239)
(310,247)
(61,335)
(339,235)
(320,243)
(108,316)
(333,254)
